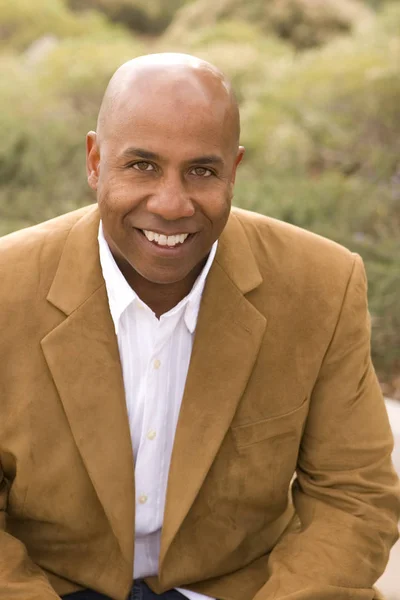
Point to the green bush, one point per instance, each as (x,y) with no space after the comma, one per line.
(44,116)
(39,151)
(86,67)
(390,18)
(335,108)
(149,17)
(23,22)
(238,48)
(303,23)
(308,23)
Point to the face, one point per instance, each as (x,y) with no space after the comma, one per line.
(164,175)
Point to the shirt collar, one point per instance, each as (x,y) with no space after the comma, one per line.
(121,295)
(119,292)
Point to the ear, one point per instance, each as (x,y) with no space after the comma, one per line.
(92,160)
(238,160)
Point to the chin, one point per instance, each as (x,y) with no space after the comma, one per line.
(162,278)
(165,280)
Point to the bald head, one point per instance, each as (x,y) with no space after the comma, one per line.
(176,80)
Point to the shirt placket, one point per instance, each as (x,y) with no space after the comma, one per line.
(149,481)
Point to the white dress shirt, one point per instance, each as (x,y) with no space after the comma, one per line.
(155,355)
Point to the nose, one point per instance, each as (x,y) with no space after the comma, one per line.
(171,200)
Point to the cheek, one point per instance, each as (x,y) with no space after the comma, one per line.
(216,203)
(115,194)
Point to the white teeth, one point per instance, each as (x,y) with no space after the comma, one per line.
(165,240)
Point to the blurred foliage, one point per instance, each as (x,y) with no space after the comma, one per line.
(303,23)
(307,23)
(319,89)
(23,21)
(142,16)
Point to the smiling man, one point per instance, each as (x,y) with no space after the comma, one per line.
(163,163)
(188,403)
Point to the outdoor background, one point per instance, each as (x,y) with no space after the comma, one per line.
(318,83)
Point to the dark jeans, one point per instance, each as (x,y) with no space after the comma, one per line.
(140,591)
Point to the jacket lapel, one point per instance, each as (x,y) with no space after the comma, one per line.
(82,355)
(228,335)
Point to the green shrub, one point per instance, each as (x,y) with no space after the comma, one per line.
(237,48)
(41,153)
(76,72)
(44,116)
(23,22)
(336,108)
(304,23)
(308,23)
(149,17)
(390,18)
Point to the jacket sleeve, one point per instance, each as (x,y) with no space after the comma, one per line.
(20,578)
(346,492)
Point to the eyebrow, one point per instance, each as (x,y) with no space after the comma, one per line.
(210,159)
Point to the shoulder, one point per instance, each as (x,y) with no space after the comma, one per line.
(304,275)
(51,230)
(292,249)
(29,257)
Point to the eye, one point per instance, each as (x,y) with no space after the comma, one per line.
(201,172)
(143,166)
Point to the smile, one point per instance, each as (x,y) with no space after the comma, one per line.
(165,240)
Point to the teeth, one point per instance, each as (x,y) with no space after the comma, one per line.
(165,240)
(150,235)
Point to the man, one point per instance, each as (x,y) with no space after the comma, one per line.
(125,471)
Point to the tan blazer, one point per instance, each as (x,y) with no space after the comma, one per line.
(280,378)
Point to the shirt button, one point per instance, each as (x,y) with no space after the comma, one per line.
(157,364)
(151,434)
(143,499)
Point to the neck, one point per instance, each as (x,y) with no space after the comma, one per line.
(160,298)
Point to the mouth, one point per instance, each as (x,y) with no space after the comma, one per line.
(164,241)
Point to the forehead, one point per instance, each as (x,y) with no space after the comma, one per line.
(190,120)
